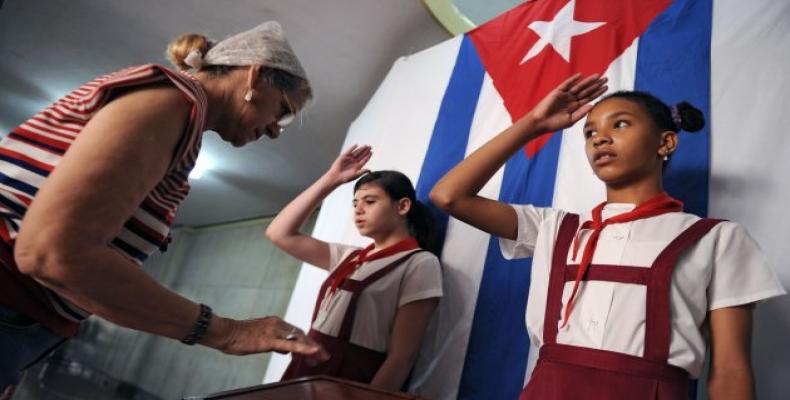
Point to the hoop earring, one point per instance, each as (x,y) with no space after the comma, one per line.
(248,96)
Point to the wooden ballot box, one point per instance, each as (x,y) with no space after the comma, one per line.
(310,388)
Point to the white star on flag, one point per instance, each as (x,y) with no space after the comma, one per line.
(559,32)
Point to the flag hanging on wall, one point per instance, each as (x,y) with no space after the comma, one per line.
(501,70)
(437,106)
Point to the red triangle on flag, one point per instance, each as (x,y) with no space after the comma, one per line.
(596,32)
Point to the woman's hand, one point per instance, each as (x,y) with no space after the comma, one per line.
(241,337)
(349,165)
(567,103)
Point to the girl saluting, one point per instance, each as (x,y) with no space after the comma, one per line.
(624,298)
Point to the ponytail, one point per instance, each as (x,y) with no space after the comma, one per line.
(178,50)
(421,224)
(689,118)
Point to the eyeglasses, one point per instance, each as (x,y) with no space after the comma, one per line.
(289,116)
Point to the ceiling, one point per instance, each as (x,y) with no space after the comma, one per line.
(49,47)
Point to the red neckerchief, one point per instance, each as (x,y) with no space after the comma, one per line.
(347,267)
(660,204)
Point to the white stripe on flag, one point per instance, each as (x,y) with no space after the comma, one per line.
(437,372)
(576,188)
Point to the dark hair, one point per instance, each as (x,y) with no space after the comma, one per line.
(419,218)
(687,117)
(683,116)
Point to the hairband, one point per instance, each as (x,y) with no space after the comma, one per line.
(676,117)
(194,59)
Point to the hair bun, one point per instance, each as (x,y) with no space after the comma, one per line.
(691,118)
(180,47)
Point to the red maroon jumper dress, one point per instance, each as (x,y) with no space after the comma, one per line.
(573,372)
(348,360)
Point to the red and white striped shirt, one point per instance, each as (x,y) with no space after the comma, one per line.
(32,150)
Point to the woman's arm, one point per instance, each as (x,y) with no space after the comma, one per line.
(457,191)
(117,159)
(284,232)
(407,332)
(731,375)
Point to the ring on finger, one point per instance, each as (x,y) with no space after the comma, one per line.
(292,333)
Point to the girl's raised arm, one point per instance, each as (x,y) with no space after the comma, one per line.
(457,191)
(284,229)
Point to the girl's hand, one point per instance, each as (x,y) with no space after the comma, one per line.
(349,165)
(567,103)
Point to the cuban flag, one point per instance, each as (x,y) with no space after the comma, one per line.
(437,106)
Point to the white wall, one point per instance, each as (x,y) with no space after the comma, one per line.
(751,157)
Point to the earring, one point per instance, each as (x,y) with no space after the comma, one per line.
(248,96)
(666,157)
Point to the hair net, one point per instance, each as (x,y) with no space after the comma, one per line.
(265,45)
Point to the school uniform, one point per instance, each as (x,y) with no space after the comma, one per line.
(637,327)
(355,321)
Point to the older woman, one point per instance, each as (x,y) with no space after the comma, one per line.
(89,187)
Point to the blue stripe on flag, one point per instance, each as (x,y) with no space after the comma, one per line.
(451,131)
(667,70)
(673,63)
(498,343)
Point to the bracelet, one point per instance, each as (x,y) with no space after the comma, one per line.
(200,328)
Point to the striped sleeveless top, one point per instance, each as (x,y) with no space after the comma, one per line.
(32,150)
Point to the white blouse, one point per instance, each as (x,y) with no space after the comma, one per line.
(725,268)
(418,278)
